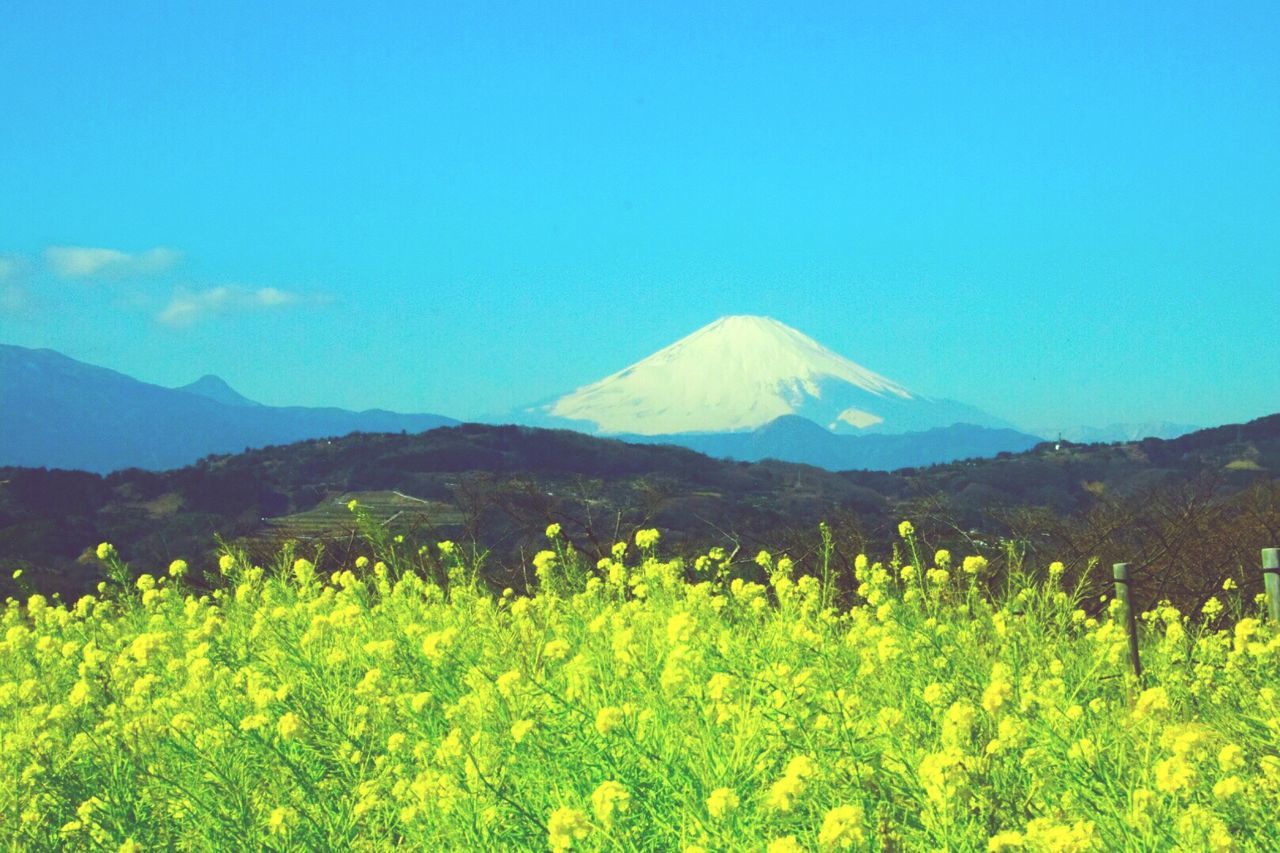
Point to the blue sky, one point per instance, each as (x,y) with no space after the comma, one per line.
(1062,213)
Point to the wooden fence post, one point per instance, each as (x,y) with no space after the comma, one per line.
(1271,579)
(1120,571)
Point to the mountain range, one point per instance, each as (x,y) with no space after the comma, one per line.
(57,412)
(743,387)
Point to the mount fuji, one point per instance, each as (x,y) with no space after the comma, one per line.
(752,387)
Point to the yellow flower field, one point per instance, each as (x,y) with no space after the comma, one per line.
(626,706)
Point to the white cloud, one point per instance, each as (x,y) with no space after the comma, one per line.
(85,262)
(190,306)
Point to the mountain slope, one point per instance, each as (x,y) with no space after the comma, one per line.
(743,372)
(59,412)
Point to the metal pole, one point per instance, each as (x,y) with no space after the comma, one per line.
(1120,571)
(1271,579)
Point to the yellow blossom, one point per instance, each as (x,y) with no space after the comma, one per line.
(609,720)
(1002,842)
(1231,758)
(521,728)
(647,539)
(721,802)
(608,799)
(281,819)
(289,726)
(565,826)
(842,827)
(999,690)
(1228,787)
(1151,702)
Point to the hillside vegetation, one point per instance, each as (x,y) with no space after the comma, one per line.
(636,703)
(1182,511)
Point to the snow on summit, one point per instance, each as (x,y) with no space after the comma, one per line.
(743,372)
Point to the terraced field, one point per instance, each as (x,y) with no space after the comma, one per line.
(393,509)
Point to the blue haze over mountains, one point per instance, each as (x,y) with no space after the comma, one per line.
(57,412)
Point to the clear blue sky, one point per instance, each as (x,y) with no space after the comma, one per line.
(1062,213)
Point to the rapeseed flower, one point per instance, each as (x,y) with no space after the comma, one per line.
(609,719)
(647,539)
(288,726)
(1228,787)
(909,679)
(1045,834)
(609,799)
(437,644)
(1152,702)
(1231,758)
(281,819)
(842,827)
(520,729)
(565,826)
(999,690)
(795,779)
(1002,842)
(722,802)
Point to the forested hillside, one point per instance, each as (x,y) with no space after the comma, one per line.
(493,485)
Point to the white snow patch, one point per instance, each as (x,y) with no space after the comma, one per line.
(857,418)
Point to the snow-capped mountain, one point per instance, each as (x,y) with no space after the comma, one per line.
(740,373)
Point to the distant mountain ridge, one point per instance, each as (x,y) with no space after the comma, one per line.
(57,412)
(796,439)
(1118,432)
(719,383)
